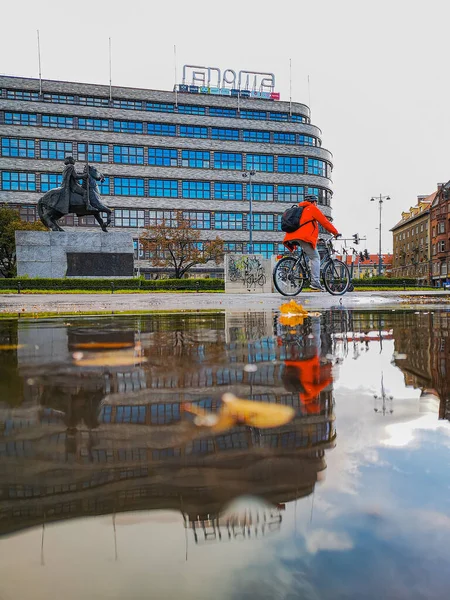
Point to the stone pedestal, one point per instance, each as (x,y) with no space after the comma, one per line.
(247,273)
(74,254)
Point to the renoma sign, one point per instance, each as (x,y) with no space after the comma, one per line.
(244,84)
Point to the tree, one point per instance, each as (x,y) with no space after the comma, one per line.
(10,222)
(175,244)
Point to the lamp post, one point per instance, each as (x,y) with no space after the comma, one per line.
(249,175)
(386,400)
(380,200)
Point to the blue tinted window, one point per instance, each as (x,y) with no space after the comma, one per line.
(290,193)
(163,188)
(253,114)
(95,152)
(196,189)
(55,150)
(191,109)
(57,121)
(320,193)
(91,101)
(22,148)
(50,181)
(193,132)
(291,164)
(228,191)
(161,129)
(227,160)
(233,247)
(222,112)
(92,124)
(129,155)
(317,167)
(260,162)
(284,138)
(221,133)
(130,414)
(103,186)
(58,98)
(278,116)
(195,159)
(125,217)
(198,220)
(22,95)
(307,140)
(232,221)
(298,119)
(105,414)
(20,118)
(159,107)
(128,104)
(15,181)
(266,249)
(128,127)
(261,192)
(255,136)
(263,222)
(161,414)
(162,157)
(128,186)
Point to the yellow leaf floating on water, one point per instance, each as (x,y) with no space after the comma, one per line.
(108,359)
(236,411)
(257,414)
(292,308)
(292,321)
(10,346)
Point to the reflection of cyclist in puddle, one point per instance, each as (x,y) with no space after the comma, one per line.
(304,373)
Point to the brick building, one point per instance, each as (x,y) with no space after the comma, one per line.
(162,151)
(440,237)
(363,268)
(411,241)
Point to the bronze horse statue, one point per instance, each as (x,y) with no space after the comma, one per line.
(67,199)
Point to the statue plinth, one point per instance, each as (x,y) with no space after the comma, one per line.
(61,254)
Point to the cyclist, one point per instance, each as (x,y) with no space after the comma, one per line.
(306,237)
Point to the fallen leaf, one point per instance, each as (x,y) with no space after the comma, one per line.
(11,346)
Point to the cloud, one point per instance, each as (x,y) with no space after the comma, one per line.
(321,539)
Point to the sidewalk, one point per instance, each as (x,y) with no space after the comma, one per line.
(99,303)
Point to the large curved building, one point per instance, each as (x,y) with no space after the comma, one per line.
(162,151)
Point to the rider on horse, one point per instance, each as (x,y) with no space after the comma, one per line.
(70,185)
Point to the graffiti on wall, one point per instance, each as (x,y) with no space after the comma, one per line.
(248,270)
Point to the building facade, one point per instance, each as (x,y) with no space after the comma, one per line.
(411,241)
(440,238)
(163,151)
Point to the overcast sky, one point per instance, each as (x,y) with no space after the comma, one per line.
(378,71)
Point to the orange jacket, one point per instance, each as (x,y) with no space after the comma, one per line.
(314,377)
(310,231)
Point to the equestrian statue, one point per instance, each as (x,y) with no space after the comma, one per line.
(72,197)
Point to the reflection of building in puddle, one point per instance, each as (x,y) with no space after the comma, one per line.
(252,523)
(84,444)
(422,352)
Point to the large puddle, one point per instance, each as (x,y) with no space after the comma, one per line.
(111,487)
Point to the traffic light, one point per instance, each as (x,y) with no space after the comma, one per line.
(356,238)
(366,254)
(361,257)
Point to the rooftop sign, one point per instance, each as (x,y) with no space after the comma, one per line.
(211,80)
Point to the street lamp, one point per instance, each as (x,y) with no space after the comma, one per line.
(249,175)
(380,199)
(386,400)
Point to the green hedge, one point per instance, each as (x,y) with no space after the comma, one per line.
(42,283)
(387,282)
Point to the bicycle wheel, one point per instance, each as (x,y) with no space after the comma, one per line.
(289,277)
(336,277)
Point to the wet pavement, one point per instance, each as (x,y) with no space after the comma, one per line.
(112,487)
(73,303)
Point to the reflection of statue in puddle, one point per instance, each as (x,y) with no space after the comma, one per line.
(304,371)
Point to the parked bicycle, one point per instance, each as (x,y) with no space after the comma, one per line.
(292,273)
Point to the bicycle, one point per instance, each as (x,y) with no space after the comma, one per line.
(291,272)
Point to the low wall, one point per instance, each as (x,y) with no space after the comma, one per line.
(74,254)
